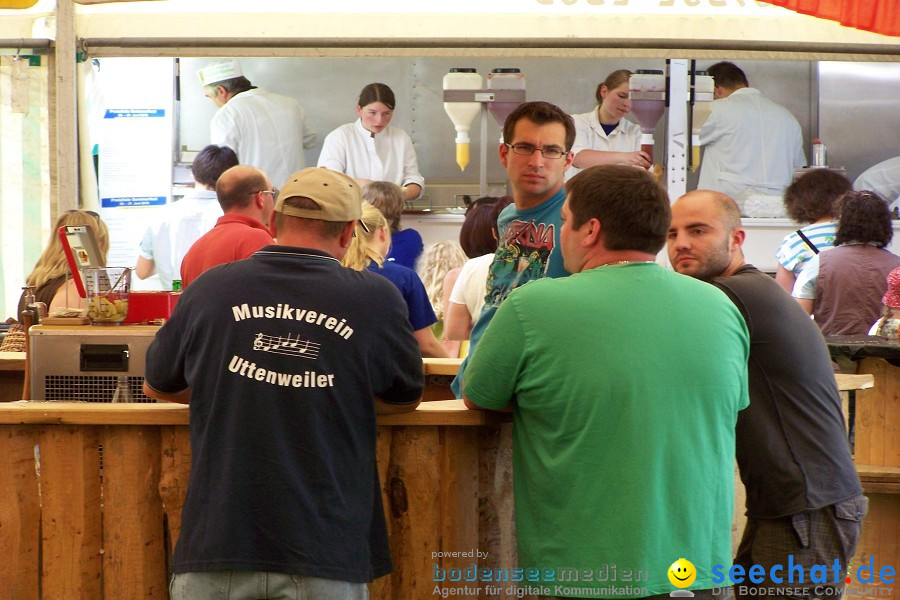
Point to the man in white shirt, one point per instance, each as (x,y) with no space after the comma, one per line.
(268,131)
(752,145)
(182,223)
(883,179)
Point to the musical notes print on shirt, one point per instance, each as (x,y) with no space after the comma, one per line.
(291,347)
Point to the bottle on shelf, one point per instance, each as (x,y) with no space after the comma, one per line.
(123,392)
(819,154)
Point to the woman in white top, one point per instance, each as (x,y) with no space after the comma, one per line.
(604,136)
(370,149)
(478,238)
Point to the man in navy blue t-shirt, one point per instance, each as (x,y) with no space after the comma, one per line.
(284,369)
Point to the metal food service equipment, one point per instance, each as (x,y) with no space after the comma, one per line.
(84,362)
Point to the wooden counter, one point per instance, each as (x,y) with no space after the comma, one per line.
(92,494)
(12,375)
(74,530)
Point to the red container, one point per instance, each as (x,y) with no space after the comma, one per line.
(150,307)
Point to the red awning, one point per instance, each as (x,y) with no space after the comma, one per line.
(880,16)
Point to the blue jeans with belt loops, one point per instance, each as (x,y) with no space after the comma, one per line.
(259,585)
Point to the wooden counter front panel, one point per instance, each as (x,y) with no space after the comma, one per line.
(101,524)
(878,416)
(20,513)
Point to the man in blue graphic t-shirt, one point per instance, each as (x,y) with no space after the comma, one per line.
(539,137)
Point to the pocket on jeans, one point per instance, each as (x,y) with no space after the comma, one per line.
(849,515)
(854,509)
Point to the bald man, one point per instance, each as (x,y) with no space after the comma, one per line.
(247,197)
(804,499)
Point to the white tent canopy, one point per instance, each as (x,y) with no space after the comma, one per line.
(662,28)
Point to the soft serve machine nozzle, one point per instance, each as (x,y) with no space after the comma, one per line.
(462,113)
(464,98)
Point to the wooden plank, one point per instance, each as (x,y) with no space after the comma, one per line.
(66,104)
(879,480)
(846,383)
(93,413)
(414,490)
(871,472)
(459,501)
(441,366)
(20,514)
(891,422)
(174,474)
(12,361)
(442,412)
(70,523)
(134,562)
(496,527)
(381,588)
(881,487)
(875,408)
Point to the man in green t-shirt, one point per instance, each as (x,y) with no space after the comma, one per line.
(625,380)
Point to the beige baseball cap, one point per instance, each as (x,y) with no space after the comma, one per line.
(219,71)
(337,195)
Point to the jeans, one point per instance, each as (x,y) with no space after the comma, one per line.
(258,585)
(815,537)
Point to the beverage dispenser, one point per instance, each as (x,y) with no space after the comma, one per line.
(464,98)
(647,90)
(506,78)
(462,113)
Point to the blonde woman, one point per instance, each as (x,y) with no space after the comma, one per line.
(438,268)
(367,250)
(51,277)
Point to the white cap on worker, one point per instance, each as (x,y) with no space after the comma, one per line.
(219,71)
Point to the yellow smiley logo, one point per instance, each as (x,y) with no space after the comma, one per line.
(682,573)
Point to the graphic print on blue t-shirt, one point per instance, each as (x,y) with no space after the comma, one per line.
(522,255)
(290,346)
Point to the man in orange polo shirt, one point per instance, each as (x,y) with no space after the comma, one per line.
(247,197)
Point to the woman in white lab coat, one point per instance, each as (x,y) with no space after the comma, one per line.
(370,149)
(604,136)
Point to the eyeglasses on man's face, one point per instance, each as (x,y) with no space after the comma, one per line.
(553,152)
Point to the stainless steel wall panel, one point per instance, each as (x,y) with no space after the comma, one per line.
(859,113)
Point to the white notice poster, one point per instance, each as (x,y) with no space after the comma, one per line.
(136,164)
(135,150)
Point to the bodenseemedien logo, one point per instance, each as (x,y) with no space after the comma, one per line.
(682,574)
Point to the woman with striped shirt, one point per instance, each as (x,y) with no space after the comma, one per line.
(809,200)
